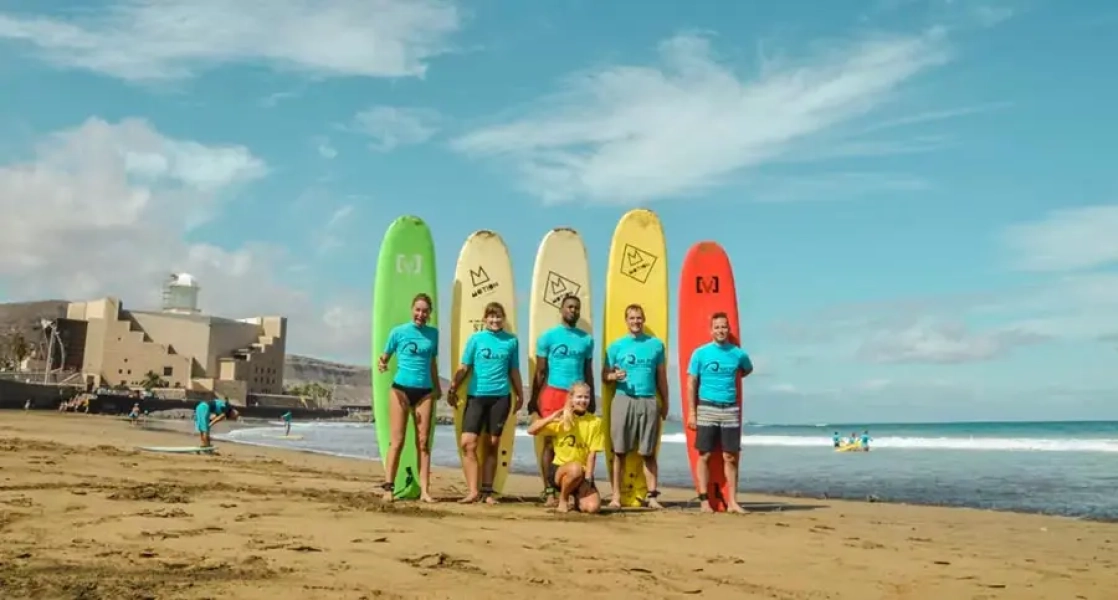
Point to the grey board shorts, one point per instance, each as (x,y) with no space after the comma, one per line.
(634,424)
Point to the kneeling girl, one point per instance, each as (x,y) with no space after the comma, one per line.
(577,438)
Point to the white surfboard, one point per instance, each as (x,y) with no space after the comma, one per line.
(561,268)
(483,275)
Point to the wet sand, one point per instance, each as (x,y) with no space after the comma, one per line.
(83,514)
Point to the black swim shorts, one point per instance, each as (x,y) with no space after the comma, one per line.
(488,413)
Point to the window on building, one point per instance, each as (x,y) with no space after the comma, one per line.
(168,371)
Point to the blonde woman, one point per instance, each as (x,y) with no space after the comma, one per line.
(576,435)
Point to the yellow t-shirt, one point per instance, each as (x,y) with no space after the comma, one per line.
(576,444)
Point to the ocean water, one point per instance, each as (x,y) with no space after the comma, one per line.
(1065,468)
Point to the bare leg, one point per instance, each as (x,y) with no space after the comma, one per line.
(423,446)
(651,474)
(489,467)
(589,500)
(469,465)
(570,477)
(205,435)
(548,458)
(703,472)
(617,470)
(398,422)
(730,466)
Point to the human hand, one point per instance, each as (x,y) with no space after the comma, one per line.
(382,365)
(452,397)
(619,374)
(663,411)
(533,407)
(693,421)
(519,405)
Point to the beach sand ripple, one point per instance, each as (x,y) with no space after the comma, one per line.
(83,515)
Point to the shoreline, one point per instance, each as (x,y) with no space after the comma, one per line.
(177,427)
(83,513)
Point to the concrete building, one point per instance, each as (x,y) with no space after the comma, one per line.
(180,345)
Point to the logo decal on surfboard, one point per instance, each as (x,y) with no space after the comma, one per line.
(481,281)
(706,285)
(412,265)
(637,264)
(559,287)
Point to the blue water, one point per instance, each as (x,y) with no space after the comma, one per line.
(1065,468)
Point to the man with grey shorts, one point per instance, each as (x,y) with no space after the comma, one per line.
(636,365)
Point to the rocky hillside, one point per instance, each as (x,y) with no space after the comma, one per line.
(350,384)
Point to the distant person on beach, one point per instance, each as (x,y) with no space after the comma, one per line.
(636,365)
(209,413)
(564,355)
(415,388)
(134,414)
(492,355)
(577,439)
(715,414)
(286,423)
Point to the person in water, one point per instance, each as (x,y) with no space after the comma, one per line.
(836,439)
(415,388)
(635,365)
(865,441)
(492,356)
(286,423)
(564,355)
(134,414)
(712,382)
(209,413)
(577,436)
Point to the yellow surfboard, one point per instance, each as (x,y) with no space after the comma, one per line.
(637,274)
(562,268)
(483,275)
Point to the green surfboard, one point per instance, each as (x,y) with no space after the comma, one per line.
(405,267)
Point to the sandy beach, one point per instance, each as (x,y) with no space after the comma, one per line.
(83,514)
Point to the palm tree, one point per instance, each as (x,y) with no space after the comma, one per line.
(152,380)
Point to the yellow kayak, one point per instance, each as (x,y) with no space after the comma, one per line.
(849,448)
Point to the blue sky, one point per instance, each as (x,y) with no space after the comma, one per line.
(918,195)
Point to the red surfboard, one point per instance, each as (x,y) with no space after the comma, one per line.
(706,286)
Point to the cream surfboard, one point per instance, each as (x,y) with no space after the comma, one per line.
(483,275)
(637,274)
(562,268)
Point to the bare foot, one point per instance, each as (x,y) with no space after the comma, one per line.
(427,498)
(654,504)
(734,507)
(615,502)
(563,506)
(491,499)
(387,496)
(551,502)
(470,498)
(704,506)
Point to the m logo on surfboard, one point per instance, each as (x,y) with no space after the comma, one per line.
(706,285)
(412,265)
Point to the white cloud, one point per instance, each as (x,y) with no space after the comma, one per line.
(627,134)
(105,208)
(393,126)
(144,40)
(1067,239)
(330,236)
(325,148)
(941,343)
